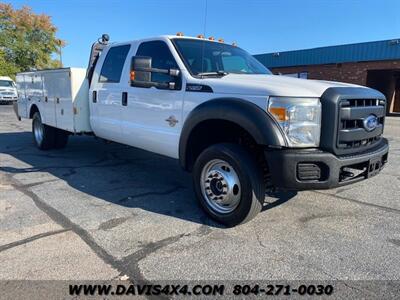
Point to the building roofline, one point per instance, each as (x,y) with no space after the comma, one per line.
(366,51)
(331,46)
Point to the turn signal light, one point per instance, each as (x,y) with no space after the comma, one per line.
(179,34)
(132,75)
(279,113)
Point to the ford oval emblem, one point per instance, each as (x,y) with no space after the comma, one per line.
(370,122)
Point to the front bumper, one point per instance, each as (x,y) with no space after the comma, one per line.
(6,100)
(291,169)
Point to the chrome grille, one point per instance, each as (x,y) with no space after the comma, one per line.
(351,131)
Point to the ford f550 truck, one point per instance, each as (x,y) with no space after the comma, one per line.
(239,129)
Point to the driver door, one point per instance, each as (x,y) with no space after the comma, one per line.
(152,116)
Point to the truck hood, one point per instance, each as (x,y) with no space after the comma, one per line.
(270,85)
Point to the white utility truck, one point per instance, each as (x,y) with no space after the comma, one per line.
(241,130)
(8,91)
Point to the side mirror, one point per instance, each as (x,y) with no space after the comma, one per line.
(141,71)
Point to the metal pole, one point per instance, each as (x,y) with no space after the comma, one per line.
(61,63)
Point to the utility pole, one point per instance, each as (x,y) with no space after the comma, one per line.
(61,63)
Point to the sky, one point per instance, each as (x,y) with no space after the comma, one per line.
(258,26)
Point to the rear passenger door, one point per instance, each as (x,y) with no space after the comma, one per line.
(106,99)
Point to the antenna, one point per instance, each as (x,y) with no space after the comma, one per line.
(204,34)
(205,18)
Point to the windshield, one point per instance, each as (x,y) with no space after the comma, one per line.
(201,56)
(6,83)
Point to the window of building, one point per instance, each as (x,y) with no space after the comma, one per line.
(113,64)
(161,58)
(303,75)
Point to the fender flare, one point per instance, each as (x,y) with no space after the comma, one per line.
(30,107)
(260,124)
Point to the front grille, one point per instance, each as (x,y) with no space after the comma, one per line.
(351,131)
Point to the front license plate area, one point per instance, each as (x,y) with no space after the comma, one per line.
(374,166)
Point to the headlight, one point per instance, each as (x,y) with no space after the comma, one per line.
(300,119)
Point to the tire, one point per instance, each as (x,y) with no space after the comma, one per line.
(230,173)
(43,135)
(61,138)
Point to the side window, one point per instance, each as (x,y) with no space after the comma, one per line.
(161,58)
(113,64)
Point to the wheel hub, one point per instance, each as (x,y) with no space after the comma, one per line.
(217,186)
(220,186)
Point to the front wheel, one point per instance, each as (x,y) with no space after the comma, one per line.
(229,184)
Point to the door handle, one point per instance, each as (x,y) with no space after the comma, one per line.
(124,98)
(94,97)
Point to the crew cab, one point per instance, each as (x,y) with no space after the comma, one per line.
(239,129)
(8,91)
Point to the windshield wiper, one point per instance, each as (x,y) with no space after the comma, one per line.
(210,74)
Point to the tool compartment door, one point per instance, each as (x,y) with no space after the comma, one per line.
(49,98)
(63,100)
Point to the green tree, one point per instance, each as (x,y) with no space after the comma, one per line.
(27,41)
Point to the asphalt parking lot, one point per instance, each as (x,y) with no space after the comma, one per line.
(105,211)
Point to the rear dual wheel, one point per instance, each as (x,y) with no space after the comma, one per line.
(229,184)
(47,137)
(61,138)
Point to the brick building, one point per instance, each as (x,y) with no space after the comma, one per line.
(373,64)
